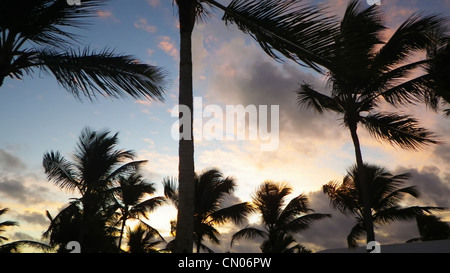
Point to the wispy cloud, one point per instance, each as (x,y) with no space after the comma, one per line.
(107,15)
(167,45)
(154,3)
(144,25)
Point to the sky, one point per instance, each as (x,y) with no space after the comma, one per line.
(229,69)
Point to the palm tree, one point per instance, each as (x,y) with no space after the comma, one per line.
(387,192)
(211,189)
(299,32)
(129,195)
(141,239)
(366,71)
(280,222)
(15,246)
(36,35)
(97,164)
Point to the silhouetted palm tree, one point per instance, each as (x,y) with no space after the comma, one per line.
(143,239)
(97,164)
(274,24)
(280,223)
(16,245)
(211,190)
(386,196)
(366,71)
(36,35)
(130,194)
(431,228)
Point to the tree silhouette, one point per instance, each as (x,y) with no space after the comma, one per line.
(36,35)
(97,164)
(142,239)
(211,189)
(129,200)
(385,199)
(297,31)
(366,71)
(280,222)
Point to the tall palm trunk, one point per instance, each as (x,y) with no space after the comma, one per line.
(125,216)
(185,218)
(364,186)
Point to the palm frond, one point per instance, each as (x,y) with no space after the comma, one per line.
(61,171)
(126,169)
(400,130)
(16,245)
(354,235)
(343,197)
(247,233)
(297,206)
(106,73)
(269,200)
(46,22)
(303,222)
(414,34)
(403,214)
(171,190)
(237,213)
(310,98)
(300,32)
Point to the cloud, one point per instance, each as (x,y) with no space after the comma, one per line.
(107,14)
(167,45)
(19,189)
(154,3)
(433,185)
(34,218)
(144,25)
(10,162)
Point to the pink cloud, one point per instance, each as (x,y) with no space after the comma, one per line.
(168,46)
(144,25)
(154,3)
(107,14)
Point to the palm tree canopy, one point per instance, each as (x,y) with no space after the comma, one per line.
(97,167)
(366,71)
(96,163)
(280,221)
(387,193)
(143,239)
(211,191)
(37,34)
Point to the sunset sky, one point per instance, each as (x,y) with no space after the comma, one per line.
(229,69)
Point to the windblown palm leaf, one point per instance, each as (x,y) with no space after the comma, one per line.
(301,32)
